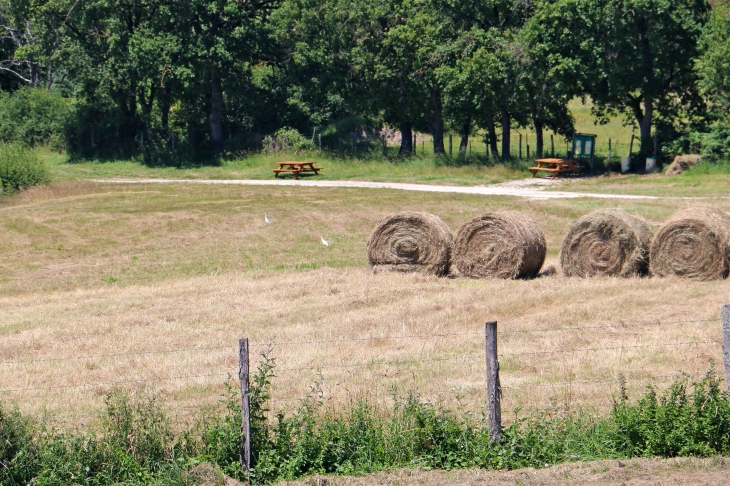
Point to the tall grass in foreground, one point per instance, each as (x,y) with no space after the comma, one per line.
(135,445)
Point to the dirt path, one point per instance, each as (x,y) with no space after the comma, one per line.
(636,472)
(527,188)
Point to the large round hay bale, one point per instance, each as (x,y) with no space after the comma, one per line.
(504,244)
(693,243)
(411,242)
(608,242)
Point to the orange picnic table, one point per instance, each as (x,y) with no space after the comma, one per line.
(296,168)
(555,166)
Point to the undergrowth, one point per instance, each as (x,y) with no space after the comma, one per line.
(135,443)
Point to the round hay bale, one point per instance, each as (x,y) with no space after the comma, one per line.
(411,242)
(693,243)
(608,242)
(504,244)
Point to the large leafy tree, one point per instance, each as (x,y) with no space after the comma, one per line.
(636,56)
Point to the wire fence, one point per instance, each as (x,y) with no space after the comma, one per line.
(542,368)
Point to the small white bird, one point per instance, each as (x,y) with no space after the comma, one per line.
(266,219)
(324,242)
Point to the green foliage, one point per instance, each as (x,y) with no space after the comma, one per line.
(287,139)
(136,445)
(364,438)
(34,117)
(20,168)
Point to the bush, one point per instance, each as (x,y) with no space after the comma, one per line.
(287,139)
(34,117)
(20,168)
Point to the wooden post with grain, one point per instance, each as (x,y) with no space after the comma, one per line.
(494,389)
(726,342)
(552,146)
(243,373)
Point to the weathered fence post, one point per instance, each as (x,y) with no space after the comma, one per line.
(383,141)
(520,152)
(494,390)
(609,153)
(245,407)
(726,342)
(320,143)
(415,144)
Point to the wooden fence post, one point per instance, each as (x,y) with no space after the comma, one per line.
(383,141)
(243,373)
(726,343)
(494,390)
(320,143)
(520,152)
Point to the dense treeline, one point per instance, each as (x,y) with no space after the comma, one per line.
(206,75)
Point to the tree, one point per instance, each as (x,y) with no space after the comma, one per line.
(713,66)
(637,56)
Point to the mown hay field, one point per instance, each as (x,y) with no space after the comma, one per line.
(150,286)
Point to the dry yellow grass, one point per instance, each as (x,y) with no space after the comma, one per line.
(636,472)
(133,280)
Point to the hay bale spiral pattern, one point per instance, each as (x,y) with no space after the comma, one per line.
(411,242)
(503,244)
(608,242)
(694,243)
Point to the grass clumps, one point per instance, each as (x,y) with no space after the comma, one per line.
(20,168)
(135,443)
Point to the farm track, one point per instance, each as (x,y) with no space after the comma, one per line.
(635,472)
(529,188)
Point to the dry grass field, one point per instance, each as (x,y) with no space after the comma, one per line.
(150,287)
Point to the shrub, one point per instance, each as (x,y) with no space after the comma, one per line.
(20,168)
(33,117)
(287,139)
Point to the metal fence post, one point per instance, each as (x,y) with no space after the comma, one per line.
(494,390)
(243,373)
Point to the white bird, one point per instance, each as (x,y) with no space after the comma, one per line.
(266,219)
(324,242)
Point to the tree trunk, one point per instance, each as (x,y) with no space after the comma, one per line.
(464,132)
(406,138)
(437,125)
(216,110)
(492,135)
(49,77)
(538,139)
(506,122)
(644,119)
(165,107)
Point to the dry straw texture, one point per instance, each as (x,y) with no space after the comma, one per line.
(693,243)
(504,244)
(608,242)
(411,242)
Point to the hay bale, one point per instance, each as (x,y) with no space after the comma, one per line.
(504,244)
(411,242)
(682,163)
(693,243)
(608,242)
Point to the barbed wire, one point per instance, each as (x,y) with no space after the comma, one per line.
(614,380)
(343,340)
(112,383)
(610,348)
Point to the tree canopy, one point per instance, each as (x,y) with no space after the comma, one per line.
(207,74)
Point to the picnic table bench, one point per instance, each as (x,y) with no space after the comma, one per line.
(555,166)
(296,168)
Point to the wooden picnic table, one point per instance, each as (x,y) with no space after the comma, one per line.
(555,166)
(296,168)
